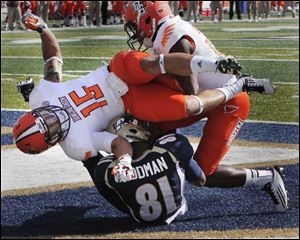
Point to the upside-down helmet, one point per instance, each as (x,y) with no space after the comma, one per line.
(40,129)
(144,16)
(129,127)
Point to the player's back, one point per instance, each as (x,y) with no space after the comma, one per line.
(156,192)
(172,31)
(90,102)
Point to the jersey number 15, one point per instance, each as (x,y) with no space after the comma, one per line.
(92,92)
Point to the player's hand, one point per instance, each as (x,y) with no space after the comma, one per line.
(33,22)
(25,88)
(229,65)
(123,169)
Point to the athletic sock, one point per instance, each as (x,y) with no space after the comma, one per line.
(258,177)
(231,90)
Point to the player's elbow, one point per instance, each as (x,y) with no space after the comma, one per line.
(200,181)
(150,65)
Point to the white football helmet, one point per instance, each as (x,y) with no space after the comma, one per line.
(129,127)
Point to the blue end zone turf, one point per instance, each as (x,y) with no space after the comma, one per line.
(83,211)
(262,132)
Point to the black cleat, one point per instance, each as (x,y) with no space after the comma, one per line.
(262,86)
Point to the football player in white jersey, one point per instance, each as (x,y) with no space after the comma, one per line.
(151,23)
(75,113)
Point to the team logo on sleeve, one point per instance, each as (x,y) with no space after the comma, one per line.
(167,34)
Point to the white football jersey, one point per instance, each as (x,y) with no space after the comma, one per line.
(91,104)
(172,30)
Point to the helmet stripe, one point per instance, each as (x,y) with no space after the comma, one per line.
(28,132)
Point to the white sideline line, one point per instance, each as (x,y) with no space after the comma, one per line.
(93,46)
(250,121)
(35,75)
(273,122)
(267,60)
(36,57)
(271,48)
(295,38)
(108,58)
(14,109)
(17,41)
(287,83)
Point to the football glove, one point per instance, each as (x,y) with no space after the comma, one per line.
(34,22)
(123,169)
(25,88)
(229,65)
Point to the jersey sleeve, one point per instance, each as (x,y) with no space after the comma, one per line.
(102,141)
(178,145)
(126,65)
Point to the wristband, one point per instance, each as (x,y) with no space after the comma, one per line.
(54,57)
(162,64)
(125,158)
(41,29)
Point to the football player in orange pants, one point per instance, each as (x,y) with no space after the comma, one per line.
(75,114)
(80,13)
(67,10)
(163,33)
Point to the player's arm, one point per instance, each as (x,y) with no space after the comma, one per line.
(183,64)
(52,57)
(111,143)
(189,83)
(50,47)
(180,147)
(120,147)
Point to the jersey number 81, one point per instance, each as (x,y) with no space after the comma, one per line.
(147,196)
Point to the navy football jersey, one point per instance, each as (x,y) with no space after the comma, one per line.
(156,192)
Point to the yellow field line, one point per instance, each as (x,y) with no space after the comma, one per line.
(231,234)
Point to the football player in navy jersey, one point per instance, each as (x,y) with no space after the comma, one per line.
(155,191)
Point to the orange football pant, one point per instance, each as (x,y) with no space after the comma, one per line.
(150,100)
(221,129)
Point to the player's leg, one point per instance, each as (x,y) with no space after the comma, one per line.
(155,103)
(219,133)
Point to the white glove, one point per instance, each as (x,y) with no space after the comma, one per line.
(123,169)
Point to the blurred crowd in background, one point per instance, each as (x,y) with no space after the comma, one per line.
(98,13)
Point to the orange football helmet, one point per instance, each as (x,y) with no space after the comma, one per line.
(144,16)
(40,129)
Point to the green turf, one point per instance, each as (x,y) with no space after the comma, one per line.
(283,106)
(247,46)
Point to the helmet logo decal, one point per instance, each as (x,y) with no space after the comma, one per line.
(139,7)
(167,34)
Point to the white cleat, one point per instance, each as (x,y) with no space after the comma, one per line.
(277,191)
(262,86)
